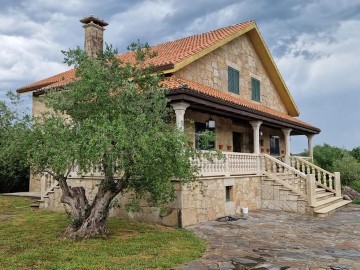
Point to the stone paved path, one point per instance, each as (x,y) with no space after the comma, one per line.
(267,239)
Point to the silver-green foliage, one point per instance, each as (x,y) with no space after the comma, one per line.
(116,115)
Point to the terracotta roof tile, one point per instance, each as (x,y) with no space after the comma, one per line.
(173,52)
(177,83)
(58,80)
(168,53)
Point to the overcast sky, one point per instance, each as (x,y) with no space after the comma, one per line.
(315,44)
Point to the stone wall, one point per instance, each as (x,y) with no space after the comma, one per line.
(275,196)
(212,70)
(224,131)
(205,199)
(199,201)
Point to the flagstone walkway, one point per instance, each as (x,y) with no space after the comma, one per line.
(267,239)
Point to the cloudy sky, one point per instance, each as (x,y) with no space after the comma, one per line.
(315,43)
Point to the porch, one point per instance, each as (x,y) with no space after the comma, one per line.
(258,146)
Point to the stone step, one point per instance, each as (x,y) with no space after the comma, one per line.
(325,211)
(326,202)
(35,205)
(320,190)
(323,196)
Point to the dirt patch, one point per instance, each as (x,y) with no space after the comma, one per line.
(4,217)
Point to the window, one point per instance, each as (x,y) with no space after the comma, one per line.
(233,80)
(228,193)
(255,87)
(199,143)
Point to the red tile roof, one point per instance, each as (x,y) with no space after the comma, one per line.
(168,53)
(58,80)
(173,52)
(178,83)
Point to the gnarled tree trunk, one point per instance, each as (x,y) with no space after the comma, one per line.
(91,218)
(75,197)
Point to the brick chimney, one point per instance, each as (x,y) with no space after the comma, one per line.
(94,35)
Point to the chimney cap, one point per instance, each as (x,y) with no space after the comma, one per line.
(95,20)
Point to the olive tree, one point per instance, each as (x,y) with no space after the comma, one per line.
(116,115)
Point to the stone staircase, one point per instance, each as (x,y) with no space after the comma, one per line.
(318,191)
(327,202)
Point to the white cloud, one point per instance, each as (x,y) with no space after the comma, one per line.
(335,68)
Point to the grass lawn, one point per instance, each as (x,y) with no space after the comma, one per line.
(356,201)
(28,240)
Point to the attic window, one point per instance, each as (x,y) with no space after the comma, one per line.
(233,80)
(255,89)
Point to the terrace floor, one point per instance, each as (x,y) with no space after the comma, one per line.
(268,239)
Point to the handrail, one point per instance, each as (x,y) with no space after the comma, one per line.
(312,165)
(325,179)
(294,170)
(284,174)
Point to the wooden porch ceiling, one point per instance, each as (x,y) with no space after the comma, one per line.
(204,103)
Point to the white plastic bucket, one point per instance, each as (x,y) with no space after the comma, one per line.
(245,210)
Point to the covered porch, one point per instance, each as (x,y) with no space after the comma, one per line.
(256,146)
(239,129)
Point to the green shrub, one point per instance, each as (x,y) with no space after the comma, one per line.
(326,155)
(349,169)
(356,201)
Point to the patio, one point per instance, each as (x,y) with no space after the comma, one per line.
(269,239)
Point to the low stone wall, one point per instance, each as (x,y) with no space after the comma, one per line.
(196,202)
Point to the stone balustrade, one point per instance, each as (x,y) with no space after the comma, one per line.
(323,178)
(226,164)
(284,174)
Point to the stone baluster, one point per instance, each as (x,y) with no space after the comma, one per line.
(319,178)
(331,182)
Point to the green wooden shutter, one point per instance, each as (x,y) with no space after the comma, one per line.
(233,80)
(255,87)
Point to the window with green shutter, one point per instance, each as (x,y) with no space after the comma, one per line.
(233,80)
(255,87)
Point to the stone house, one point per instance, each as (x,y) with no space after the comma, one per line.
(224,80)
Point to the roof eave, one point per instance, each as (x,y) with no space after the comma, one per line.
(261,115)
(272,70)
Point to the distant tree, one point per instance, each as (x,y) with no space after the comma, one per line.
(116,115)
(349,169)
(355,152)
(14,132)
(325,155)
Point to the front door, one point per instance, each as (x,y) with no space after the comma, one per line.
(274,145)
(237,141)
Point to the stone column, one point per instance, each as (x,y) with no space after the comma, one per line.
(180,108)
(256,127)
(310,146)
(287,132)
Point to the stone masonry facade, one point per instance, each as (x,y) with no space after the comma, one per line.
(199,201)
(224,131)
(212,70)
